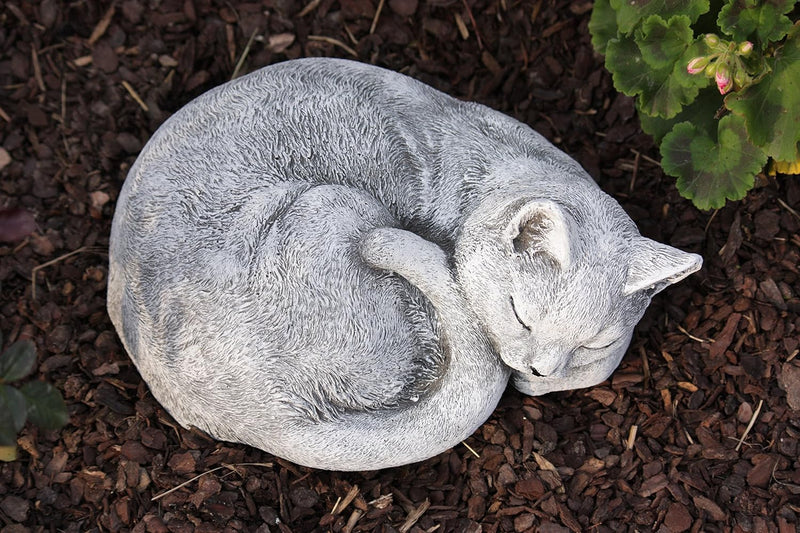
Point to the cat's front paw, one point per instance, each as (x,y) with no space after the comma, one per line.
(380,248)
(421,262)
(403,252)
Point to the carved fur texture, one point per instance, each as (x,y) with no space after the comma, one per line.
(342,266)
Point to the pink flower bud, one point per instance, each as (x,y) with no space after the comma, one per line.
(745,48)
(711,39)
(697,65)
(723,79)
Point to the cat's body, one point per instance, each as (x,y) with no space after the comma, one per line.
(342,266)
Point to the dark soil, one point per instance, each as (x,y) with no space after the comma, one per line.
(663,446)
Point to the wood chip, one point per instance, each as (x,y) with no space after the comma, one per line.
(311,6)
(678,518)
(414,516)
(789,380)
(37,69)
(491,63)
(82,61)
(355,516)
(652,485)
(349,497)
(631,437)
(376,17)
(335,42)
(135,95)
(280,42)
(724,339)
(603,395)
(555,28)
(714,510)
(101,27)
(462,27)
(5,158)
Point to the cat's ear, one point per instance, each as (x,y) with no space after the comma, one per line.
(538,227)
(654,266)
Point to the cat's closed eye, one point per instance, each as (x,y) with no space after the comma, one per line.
(516,314)
(604,338)
(593,351)
(600,345)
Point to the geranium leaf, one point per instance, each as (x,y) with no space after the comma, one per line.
(767,21)
(17,361)
(46,407)
(708,171)
(700,113)
(770,107)
(662,91)
(662,42)
(602,25)
(13,413)
(631,12)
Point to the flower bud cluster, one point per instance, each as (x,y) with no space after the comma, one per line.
(724,63)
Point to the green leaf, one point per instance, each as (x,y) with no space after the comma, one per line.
(13,412)
(662,91)
(602,25)
(767,21)
(661,42)
(710,172)
(17,361)
(701,113)
(771,107)
(46,407)
(631,12)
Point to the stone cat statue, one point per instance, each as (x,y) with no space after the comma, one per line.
(342,266)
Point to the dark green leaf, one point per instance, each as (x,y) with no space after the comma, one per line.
(46,407)
(701,113)
(763,21)
(662,42)
(17,361)
(602,25)
(710,172)
(13,412)
(631,12)
(771,107)
(662,91)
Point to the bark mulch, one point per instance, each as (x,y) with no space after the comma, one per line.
(697,430)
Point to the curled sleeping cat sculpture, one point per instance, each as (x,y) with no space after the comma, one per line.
(344,267)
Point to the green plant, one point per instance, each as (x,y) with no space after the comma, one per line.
(714,137)
(36,401)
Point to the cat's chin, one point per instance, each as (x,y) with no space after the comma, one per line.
(572,378)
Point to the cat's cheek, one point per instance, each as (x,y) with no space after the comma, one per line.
(515,357)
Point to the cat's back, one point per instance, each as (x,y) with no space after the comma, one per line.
(310,120)
(321,121)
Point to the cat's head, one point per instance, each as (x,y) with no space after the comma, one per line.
(559,283)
